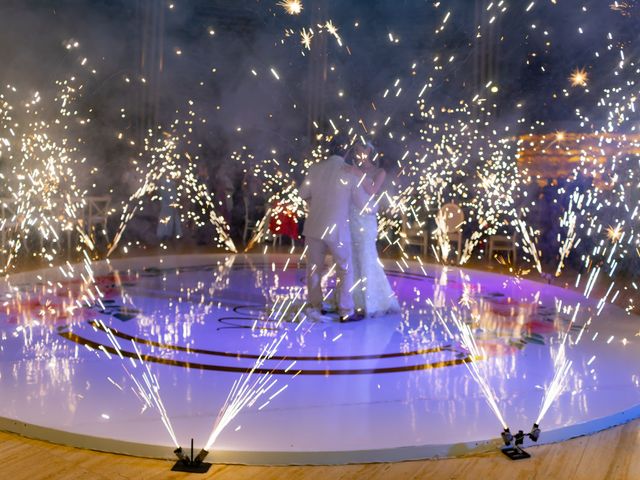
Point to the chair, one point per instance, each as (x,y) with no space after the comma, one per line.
(251,227)
(97,214)
(415,233)
(503,243)
(8,219)
(451,220)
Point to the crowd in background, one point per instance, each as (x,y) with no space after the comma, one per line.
(242,200)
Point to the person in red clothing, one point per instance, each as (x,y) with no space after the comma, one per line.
(283,222)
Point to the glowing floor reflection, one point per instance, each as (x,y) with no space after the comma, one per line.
(385,388)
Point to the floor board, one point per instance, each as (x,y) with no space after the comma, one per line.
(609,455)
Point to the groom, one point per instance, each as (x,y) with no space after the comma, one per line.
(331,189)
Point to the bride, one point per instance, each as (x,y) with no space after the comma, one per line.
(372,293)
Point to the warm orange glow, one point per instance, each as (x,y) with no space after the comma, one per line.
(306,35)
(544,157)
(614,233)
(579,78)
(293,7)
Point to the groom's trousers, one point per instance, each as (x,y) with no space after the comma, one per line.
(341,253)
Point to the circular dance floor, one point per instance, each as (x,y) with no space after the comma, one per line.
(382,389)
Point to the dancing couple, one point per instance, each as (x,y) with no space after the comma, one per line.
(342,222)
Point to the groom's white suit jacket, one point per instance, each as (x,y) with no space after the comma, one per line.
(330,190)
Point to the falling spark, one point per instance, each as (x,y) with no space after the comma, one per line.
(306,36)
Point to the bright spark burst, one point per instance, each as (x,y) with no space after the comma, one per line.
(292,7)
(579,77)
(306,36)
(333,30)
(614,233)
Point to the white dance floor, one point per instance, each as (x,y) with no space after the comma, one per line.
(381,389)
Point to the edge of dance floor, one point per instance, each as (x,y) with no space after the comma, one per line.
(419,452)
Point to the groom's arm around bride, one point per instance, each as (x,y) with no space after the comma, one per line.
(331,190)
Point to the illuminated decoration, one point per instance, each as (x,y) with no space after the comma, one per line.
(557,155)
(622,6)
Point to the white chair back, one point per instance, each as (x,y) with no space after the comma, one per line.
(453,217)
(7,208)
(97,209)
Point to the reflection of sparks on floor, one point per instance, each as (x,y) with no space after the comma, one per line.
(188,321)
(292,7)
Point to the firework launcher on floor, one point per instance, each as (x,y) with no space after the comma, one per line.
(189,464)
(516,452)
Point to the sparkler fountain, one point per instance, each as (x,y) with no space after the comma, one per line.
(171,172)
(453,148)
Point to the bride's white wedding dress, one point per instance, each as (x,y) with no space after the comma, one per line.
(372,293)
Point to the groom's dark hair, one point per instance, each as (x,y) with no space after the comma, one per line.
(338,144)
